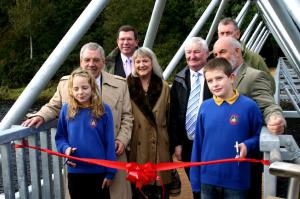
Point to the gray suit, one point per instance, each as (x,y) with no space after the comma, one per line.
(256,85)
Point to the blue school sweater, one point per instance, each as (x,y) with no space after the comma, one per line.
(217,130)
(93,138)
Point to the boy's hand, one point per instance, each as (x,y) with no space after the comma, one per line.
(243,150)
(69,151)
(106,183)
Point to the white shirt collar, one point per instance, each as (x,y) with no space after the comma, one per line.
(124,58)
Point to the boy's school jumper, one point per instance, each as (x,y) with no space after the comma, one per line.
(218,128)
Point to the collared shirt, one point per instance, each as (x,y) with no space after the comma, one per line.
(231,100)
(124,59)
(236,70)
(98,82)
(192,81)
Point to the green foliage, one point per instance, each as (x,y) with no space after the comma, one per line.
(47,21)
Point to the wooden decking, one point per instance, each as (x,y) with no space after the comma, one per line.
(186,191)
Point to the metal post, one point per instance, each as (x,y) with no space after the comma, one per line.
(241,16)
(261,44)
(246,34)
(283,29)
(52,64)
(293,8)
(258,38)
(293,191)
(215,22)
(154,23)
(194,31)
(252,38)
(267,143)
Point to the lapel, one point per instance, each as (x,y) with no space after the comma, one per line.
(241,74)
(108,80)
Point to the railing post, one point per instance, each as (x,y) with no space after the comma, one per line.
(47,178)
(59,186)
(7,171)
(267,143)
(34,168)
(21,171)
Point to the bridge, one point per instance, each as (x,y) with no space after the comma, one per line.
(44,173)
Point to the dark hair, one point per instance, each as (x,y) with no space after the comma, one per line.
(127,28)
(218,63)
(227,21)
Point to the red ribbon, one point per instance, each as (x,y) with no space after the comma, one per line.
(142,174)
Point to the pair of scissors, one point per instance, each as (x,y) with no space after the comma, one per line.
(236,146)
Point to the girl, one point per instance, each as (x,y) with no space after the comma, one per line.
(85,129)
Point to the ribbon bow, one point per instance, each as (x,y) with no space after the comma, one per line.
(142,174)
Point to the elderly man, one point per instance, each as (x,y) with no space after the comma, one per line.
(119,61)
(256,85)
(114,92)
(187,93)
(228,28)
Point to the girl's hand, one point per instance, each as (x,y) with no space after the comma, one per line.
(243,150)
(106,183)
(69,151)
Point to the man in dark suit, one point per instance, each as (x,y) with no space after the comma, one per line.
(119,61)
(196,53)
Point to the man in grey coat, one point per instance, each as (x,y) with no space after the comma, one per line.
(252,83)
(114,92)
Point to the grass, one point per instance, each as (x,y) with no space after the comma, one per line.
(13,93)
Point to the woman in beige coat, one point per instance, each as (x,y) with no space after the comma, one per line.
(150,99)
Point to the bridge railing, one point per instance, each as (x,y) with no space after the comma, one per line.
(38,175)
(28,173)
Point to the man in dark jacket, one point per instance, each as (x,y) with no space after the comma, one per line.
(196,53)
(119,61)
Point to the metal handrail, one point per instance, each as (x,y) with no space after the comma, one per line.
(43,183)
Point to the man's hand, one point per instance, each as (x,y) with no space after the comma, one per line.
(178,151)
(276,124)
(36,121)
(106,183)
(120,147)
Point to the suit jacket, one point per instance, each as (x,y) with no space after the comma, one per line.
(114,63)
(115,93)
(180,92)
(256,85)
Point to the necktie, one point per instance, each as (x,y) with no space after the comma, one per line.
(127,67)
(192,108)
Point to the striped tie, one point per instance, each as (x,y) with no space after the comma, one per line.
(192,108)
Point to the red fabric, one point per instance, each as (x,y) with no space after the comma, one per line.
(142,174)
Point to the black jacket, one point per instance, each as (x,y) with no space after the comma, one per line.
(180,92)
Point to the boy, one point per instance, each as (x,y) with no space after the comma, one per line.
(224,120)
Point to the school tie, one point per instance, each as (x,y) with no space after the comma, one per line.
(127,67)
(192,108)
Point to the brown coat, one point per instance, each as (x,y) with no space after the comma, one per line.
(150,139)
(115,93)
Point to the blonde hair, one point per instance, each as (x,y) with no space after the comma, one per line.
(146,52)
(96,104)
